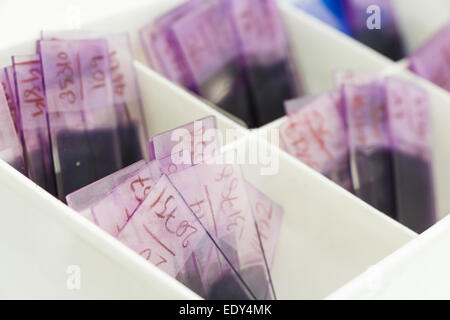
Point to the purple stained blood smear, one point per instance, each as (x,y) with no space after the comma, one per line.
(19,165)
(384,37)
(376,179)
(228,287)
(44,178)
(341,174)
(130,146)
(383,41)
(414,191)
(228,89)
(85,158)
(257,278)
(270,87)
(191,277)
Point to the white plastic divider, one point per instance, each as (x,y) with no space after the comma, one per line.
(419,270)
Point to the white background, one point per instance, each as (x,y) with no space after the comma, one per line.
(22,19)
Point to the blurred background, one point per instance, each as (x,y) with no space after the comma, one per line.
(414,21)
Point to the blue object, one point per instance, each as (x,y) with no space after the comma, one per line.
(328,11)
(335,6)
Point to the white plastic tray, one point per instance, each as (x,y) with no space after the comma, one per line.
(328,236)
(419,270)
